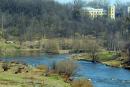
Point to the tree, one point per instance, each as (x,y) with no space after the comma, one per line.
(127,51)
(66,67)
(92,46)
(25,20)
(51,46)
(77,6)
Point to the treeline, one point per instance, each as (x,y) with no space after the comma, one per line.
(27,20)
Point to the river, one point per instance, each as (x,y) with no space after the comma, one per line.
(101,75)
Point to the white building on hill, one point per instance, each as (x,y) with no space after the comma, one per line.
(128,11)
(96,12)
(93,12)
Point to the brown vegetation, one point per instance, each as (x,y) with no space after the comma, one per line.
(14,67)
(41,70)
(81,83)
(65,68)
(5,67)
(51,46)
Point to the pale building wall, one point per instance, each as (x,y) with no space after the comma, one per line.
(129,11)
(96,12)
(92,12)
(111,12)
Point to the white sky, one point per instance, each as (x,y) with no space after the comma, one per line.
(111,1)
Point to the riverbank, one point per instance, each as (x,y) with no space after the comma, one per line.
(14,74)
(106,58)
(12,50)
(28,48)
(99,74)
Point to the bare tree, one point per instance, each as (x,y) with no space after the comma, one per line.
(51,46)
(77,6)
(92,46)
(127,51)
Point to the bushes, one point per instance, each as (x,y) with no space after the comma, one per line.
(66,67)
(51,46)
(5,66)
(21,69)
(42,67)
(14,67)
(41,70)
(81,83)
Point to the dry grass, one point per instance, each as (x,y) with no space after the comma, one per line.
(114,63)
(30,79)
(81,83)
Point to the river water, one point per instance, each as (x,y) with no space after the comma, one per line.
(101,75)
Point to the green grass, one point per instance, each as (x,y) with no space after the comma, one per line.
(106,55)
(19,79)
(102,56)
(8,50)
(114,63)
(56,81)
(10,77)
(55,77)
(6,46)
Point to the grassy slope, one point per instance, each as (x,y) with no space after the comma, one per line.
(104,57)
(8,79)
(8,49)
(107,58)
(28,79)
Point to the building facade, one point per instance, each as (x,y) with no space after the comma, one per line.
(111,12)
(128,10)
(92,12)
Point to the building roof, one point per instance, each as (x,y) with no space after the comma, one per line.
(92,9)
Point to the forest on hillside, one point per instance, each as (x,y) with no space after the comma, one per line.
(27,20)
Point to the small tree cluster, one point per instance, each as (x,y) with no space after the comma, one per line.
(127,53)
(66,67)
(51,46)
(88,44)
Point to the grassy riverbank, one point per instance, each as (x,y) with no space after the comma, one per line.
(22,80)
(28,77)
(15,74)
(109,58)
(13,49)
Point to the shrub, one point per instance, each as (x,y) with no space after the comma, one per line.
(51,46)
(18,70)
(81,83)
(5,66)
(66,67)
(21,69)
(43,69)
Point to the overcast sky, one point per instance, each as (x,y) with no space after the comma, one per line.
(111,1)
